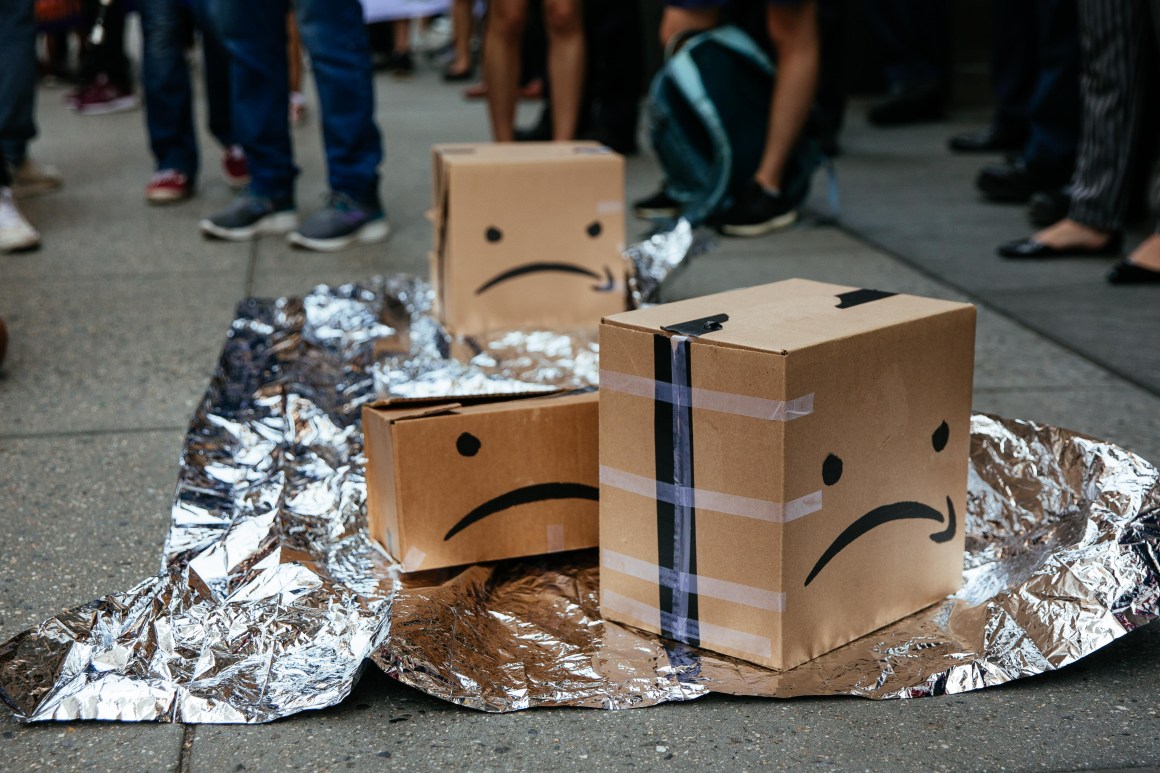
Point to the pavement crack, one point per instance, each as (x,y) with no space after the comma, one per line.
(185,756)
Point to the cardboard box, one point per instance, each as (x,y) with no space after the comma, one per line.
(451,484)
(528,236)
(786,471)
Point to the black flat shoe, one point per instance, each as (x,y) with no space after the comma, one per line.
(989,139)
(1030,248)
(1127,273)
(1015,182)
(458,76)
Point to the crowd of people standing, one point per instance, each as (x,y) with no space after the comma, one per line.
(1069,78)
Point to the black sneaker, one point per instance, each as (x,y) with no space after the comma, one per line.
(401,65)
(249,217)
(339,224)
(756,212)
(658,206)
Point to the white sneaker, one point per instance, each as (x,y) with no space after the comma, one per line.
(33,178)
(16,234)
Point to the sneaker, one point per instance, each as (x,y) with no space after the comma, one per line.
(32,178)
(168,186)
(757,211)
(658,206)
(102,97)
(235,168)
(16,233)
(339,224)
(249,217)
(401,65)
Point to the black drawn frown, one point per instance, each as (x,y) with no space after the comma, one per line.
(880,516)
(494,235)
(469,445)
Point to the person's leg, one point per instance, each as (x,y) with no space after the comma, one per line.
(1111,92)
(794,31)
(255,36)
(166,86)
(501,64)
(566,53)
(1015,64)
(679,19)
(462,21)
(216,68)
(402,63)
(17,78)
(332,31)
(1054,108)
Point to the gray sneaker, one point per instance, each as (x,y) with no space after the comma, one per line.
(339,224)
(249,217)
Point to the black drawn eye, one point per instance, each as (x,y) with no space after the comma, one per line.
(594,228)
(831,470)
(494,234)
(467,444)
(940,436)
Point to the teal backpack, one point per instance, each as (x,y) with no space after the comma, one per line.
(708,116)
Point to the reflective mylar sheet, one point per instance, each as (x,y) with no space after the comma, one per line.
(271,596)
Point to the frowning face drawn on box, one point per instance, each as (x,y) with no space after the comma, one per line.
(518,264)
(468,448)
(885,515)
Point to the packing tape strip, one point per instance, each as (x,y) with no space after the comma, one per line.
(413,560)
(724,590)
(555,537)
(707,399)
(730,504)
(684,514)
(715,636)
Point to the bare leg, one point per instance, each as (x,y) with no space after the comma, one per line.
(1072,233)
(566,60)
(794,31)
(501,64)
(402,32)
(677,20)
(462,20)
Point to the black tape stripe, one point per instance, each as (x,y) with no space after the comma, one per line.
(663,436)
(663,416)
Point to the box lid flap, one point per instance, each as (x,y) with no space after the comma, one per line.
(785,316)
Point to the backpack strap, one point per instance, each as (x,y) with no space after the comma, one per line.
(687,78)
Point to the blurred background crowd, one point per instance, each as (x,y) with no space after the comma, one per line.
(1072,136)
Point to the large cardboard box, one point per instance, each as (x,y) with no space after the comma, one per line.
(451,484)
(783,468)
(528,235)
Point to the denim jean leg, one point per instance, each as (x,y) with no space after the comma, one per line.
(334,33)
(165,81)
(255,35)
(1054,108)
(17,78)
(217,76)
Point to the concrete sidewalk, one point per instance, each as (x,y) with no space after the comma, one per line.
(117,324)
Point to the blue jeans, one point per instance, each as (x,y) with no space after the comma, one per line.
(167,87)
(334,33)
(17,81)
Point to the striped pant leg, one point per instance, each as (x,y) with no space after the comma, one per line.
(1111,90)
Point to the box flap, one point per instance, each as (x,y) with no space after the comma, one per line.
(785,316)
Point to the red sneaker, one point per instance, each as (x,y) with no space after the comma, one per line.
(168,186)
(101,97)
(234,167)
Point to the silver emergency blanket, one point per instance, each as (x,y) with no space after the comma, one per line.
(271,596)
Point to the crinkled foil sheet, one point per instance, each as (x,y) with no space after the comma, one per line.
(271,597)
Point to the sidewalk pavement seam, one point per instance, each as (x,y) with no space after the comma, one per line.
(92,433)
